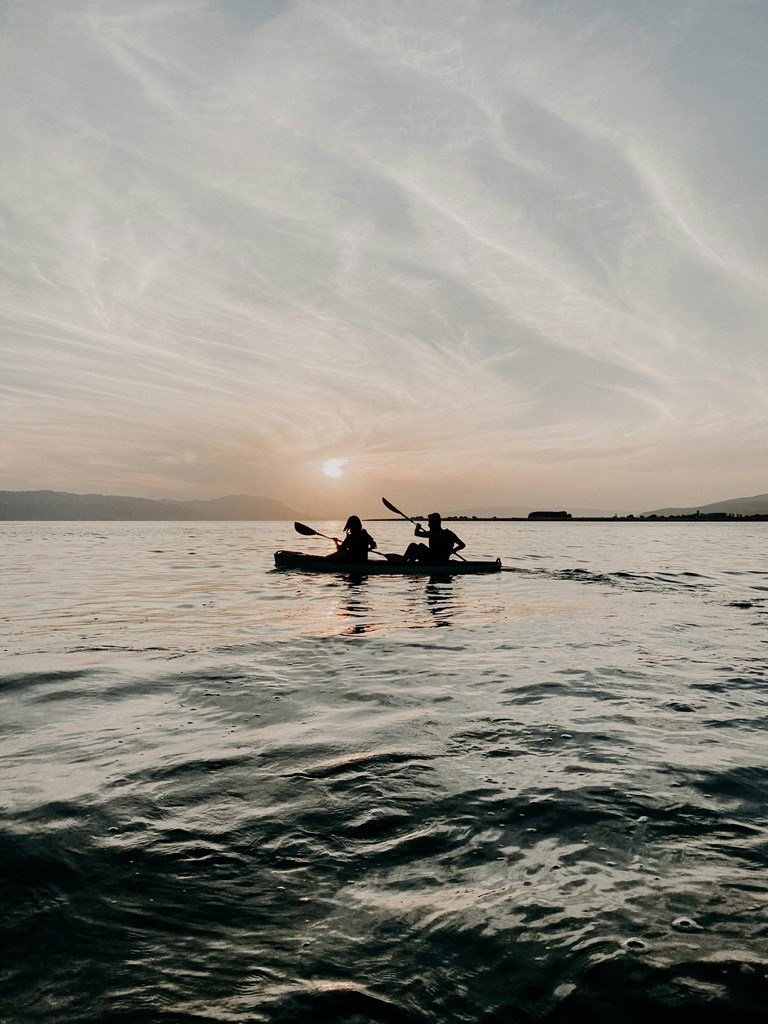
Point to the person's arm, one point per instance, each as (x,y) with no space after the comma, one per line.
(371,543)
(458,543)
(420,531)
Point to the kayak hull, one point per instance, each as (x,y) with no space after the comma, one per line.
(379,567)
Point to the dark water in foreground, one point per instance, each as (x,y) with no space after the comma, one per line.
(236,795)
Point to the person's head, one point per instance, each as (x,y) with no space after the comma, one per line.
(434,519)
(353,524)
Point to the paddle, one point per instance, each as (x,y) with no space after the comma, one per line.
(397,511)
(307,531)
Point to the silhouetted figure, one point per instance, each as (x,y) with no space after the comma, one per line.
(442,543)
(357,543)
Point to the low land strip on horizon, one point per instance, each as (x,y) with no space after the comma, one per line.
(61,506)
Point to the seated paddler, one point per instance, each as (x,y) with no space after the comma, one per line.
(356,544)
(441,543)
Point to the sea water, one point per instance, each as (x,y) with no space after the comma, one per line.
(236,794)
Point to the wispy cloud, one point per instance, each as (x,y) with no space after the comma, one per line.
(513,249)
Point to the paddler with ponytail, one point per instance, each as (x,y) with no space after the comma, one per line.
(357,543)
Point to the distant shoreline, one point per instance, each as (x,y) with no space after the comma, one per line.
(714,517)
(64,506)
(704,517)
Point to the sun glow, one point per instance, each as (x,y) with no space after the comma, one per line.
(334,467)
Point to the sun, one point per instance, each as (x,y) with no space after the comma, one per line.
(334,467)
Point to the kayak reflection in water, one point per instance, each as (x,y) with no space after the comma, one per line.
(356,545)
(442,543)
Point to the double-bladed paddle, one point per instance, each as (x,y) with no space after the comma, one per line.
(397,512)
(307,531)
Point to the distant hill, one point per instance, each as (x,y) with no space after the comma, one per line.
(754,506)
(60,505)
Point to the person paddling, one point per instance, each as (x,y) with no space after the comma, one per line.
(357,543)
(442,543)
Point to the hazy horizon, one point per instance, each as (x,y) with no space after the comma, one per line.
(462,253)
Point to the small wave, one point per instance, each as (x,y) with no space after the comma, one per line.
(728,987)
(626,580)
(335,1001)
(28,680)
(360,762)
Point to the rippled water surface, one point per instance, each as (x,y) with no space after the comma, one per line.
(232,794)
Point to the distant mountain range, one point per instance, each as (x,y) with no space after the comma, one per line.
(57,505)
(61,505)
(755,506)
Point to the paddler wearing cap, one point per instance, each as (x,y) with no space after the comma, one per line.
(442,543)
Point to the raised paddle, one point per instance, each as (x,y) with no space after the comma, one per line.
(397,511)
(307,531)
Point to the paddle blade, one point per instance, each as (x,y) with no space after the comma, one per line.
(392,508)
(307,531)
(391,556)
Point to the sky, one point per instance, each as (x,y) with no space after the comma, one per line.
(461,253)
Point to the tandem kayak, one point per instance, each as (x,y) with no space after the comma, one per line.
(380,567)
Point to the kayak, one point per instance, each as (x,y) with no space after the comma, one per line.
(379,566)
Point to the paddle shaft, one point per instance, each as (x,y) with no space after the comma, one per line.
(307,531)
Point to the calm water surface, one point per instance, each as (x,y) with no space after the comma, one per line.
(232,794)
